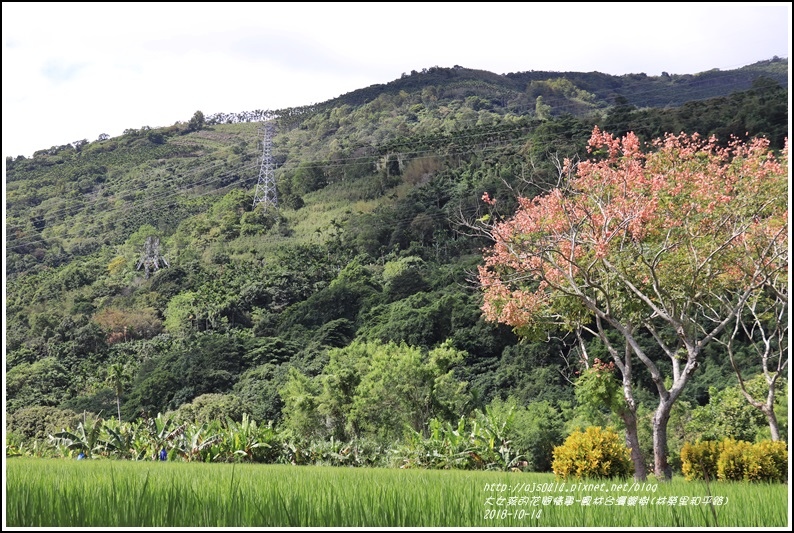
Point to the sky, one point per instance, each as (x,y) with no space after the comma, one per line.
(72,71)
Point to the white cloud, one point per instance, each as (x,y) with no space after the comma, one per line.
(72,71)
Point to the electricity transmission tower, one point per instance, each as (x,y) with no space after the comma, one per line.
(266,186)
(151,258)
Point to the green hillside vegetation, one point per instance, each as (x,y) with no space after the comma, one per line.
(351,312)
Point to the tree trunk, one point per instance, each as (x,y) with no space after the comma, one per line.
(633,443)
(772,419)
(661,467)
(118,406)
(629,415)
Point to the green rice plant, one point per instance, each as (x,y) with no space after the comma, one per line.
(102,493)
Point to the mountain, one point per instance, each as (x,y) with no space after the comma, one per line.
(639,90)
(373,239)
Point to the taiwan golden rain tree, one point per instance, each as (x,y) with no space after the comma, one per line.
(653,241)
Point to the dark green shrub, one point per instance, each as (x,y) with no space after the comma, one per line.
(210,407)
(38,421)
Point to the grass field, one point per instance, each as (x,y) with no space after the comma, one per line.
(107,493)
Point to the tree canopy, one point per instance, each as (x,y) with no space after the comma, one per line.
(673,240)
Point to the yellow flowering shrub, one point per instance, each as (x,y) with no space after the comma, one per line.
(699,457)
(736,460)
(593,453)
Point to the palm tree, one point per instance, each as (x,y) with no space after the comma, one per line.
(118,377)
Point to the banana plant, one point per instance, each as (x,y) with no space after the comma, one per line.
(161,434)
(121,440)
(458,445)
(447,446)
(193,442)
(247,438)
(15,445)
(293,453)
(141,444)
(86,440)
(490,434)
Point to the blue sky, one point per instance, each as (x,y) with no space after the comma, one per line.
(73,71)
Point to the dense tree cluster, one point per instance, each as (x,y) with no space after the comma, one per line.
(353,313)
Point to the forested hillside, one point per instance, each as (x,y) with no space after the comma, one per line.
(353,310)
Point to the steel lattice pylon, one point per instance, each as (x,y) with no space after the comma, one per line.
(266,186)
(151,258)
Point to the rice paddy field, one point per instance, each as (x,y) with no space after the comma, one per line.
(109,493)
